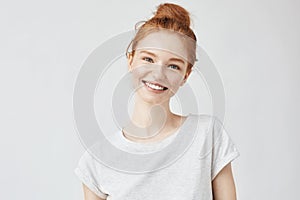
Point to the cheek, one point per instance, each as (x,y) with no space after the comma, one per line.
(175,79)
(174,82)
(138,74)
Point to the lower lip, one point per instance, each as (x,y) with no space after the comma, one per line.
(153,90)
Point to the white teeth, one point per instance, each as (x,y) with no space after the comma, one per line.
(155,87)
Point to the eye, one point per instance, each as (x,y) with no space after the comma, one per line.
(174,67)
(148,59)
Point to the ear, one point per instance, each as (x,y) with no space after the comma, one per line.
(129,60)
(187,74)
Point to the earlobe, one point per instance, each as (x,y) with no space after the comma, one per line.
(183,82)
(129,61)
(185,78)
(129,67)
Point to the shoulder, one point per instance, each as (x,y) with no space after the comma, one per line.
(203,116)
(211,124)
(90,159)
(205,120)
(87,160)
(209,130)
(202,126)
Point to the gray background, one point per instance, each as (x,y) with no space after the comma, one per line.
(254,45)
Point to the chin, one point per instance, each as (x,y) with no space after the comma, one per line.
(146,97)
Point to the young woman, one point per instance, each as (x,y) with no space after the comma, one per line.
(162,55)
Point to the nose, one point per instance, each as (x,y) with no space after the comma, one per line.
(159,71)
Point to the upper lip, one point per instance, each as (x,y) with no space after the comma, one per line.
(154,83)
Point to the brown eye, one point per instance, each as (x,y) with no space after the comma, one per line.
(147,59)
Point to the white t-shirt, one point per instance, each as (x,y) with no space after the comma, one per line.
(188,178)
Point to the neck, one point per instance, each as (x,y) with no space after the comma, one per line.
(150,119)
(144,113)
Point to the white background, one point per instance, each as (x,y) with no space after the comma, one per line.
(254,45)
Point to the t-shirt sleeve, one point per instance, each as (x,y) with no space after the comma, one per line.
(86,171)
(224,150)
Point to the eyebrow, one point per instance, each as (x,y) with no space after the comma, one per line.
(171,59)
(148,52)
(177,59)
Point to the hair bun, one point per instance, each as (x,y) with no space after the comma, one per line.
(173,11)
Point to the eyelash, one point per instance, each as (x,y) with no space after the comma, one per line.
(148,58)
(175,66)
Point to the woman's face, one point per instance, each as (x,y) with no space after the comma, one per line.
(159,66)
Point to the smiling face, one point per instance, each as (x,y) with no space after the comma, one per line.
(159,66)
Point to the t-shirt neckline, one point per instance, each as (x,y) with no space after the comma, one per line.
(138,147)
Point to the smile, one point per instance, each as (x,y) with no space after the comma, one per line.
(154,86)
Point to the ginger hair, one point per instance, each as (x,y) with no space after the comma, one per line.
(171,17)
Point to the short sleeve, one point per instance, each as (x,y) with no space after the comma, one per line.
(86,171)
(224,150)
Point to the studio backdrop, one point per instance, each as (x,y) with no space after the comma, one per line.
(253,47)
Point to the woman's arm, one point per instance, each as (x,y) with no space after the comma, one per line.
(89,195)
(223,185)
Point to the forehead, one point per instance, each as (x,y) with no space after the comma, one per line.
(165,40)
